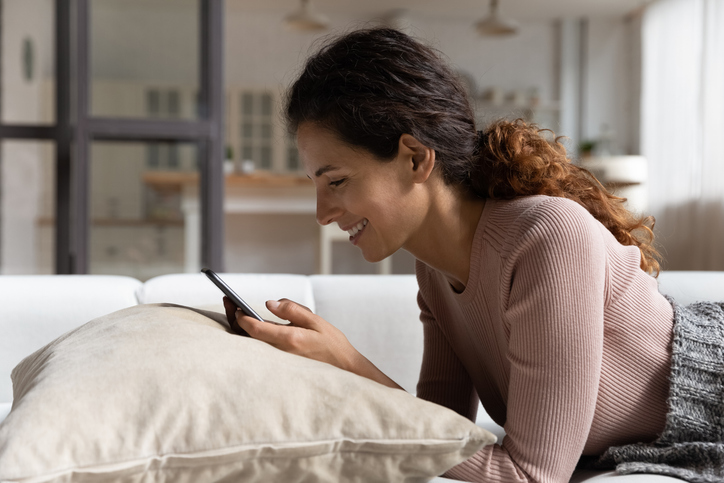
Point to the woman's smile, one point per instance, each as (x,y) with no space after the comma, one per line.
(355,232)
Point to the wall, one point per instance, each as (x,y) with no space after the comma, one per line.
(261,51)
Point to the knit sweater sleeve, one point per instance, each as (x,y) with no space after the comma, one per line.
(552,302)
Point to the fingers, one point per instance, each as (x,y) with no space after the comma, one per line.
(307,334)
(281,336)
(297,314)
(291,338)
(295,303)
(230,309)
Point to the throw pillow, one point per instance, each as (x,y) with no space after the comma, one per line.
(167,393)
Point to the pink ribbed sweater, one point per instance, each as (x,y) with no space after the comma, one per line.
(564,339)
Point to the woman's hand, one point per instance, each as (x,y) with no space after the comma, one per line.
(306,335)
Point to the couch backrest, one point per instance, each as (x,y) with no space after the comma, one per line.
(36,309)
(378,314)
(380,317)
(195,290)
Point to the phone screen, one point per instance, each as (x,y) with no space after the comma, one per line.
(231,294)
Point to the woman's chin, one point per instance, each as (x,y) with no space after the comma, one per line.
(375,257)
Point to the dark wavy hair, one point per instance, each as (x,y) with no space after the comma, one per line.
(371,86)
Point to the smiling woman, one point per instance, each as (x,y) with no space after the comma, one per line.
(535,285)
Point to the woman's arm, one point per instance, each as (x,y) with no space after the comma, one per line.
(307,335)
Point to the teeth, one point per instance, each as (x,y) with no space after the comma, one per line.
(356,229)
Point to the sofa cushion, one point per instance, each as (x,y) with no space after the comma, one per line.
(380,317)
(195,290)
(38,308)
(167,393)
(687,287)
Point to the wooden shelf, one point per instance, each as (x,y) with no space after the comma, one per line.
(614,185)
(268,179)
(171,179)
(118,222)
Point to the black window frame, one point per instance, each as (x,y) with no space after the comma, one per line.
(75,129)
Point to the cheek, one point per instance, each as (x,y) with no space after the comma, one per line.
(382,198)
(389,191)
(383,201)
(391,214)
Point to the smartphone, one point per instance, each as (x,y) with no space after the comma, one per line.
(238,301)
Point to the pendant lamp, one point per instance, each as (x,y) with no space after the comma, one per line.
(494,25)
(305,19)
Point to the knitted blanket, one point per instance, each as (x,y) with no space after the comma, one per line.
(692,444)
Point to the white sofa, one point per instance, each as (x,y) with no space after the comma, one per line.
(378,313)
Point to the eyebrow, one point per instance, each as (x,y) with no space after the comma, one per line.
(323,170)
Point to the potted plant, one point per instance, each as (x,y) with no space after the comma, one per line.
(586,147)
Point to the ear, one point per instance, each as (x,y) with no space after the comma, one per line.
(419,158)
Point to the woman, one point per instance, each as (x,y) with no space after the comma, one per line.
(535,288)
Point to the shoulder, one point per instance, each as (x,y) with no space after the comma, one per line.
(540,219)
(553,245)
(531,210)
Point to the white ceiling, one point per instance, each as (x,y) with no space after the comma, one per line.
(523,10)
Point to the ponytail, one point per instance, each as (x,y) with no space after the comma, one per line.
(515,159)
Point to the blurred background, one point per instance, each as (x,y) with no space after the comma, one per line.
(143,137)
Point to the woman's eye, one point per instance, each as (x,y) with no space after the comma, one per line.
(337,182)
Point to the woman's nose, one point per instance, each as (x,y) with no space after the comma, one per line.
(327,210)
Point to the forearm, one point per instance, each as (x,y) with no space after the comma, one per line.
(360,365)
(310,336)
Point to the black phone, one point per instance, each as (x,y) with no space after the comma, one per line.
(238,301)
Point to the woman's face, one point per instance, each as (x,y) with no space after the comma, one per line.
(377,203)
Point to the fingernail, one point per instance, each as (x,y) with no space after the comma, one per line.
(272,304)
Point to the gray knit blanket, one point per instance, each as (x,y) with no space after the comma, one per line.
(692,444)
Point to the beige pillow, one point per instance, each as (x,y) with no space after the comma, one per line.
(166,393)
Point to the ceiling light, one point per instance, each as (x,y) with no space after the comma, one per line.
(306,19)
(493,25)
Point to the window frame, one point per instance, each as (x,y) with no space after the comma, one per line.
(75,129)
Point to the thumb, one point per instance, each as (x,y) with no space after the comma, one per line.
(295,313)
